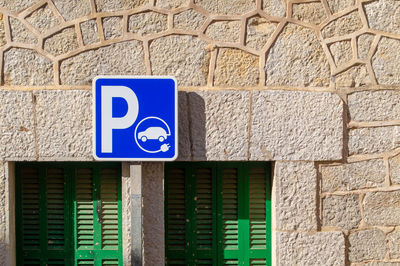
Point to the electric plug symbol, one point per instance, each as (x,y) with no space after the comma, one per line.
(165,147)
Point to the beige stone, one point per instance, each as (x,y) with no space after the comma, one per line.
(224,31)
(116,5)
(89,32)
(367,244)
(356,76)
(276,8)
(227,7)
(374,105)
(297,59)
(3,40)
(182,56)
(72,9)
(17,132)
(171,4)
(385,61)
(381,263)
(309,12)
(64,124)
(19,33)
(382,208)
(184,148)
(394,244)
(364,42)
(147,23)
(359,175)
(62,42)
(343,25)
(296,195)
(43,18)
(124,58)
(219,125)
(373,140)
(339,5)
(341,211)
(394,164)
(384,15)
(112,27)
(27,67)
(322,248)
(341,52)
(16,5)
(236,68)
(189,20)
(259,30)
(296,125)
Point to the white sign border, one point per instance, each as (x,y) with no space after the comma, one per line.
(94,81)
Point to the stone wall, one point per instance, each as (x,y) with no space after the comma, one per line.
(312,85)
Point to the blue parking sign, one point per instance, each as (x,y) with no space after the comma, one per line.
(135,118)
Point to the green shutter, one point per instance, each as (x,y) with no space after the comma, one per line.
(217,214)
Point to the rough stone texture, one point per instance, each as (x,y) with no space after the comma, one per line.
(382,208)
(26,67)
(3,40)
(295,125)
(275,8)
(374,105)
(120,58)
(381,263)
(259,30)
(309,12)
(126,189)
(338,5)
(394,164)
(72,9)
(346,177)
(394,244)
(184,147)
(343,25)
(89,32)
(356,76)
(64,124)
(16,5)
(227,7)
(19,33)
(4,220)
(153,213)
(219,125)
(43,19)
(147,23)
(17,137)
(384,15)
(170,4)
(297,59)
(296,195)
(182,56)
(373,140)
(115,5)
(236,68)
(323,248)
(224,31)
(62,42)
(385,61)
(367,245)
(341,211)
(188,20)
(341,52)
(112,27)
(364,42)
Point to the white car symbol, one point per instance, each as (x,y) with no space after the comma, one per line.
(153,133)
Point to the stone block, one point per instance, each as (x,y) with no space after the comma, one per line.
(359,175)
(296,125)
(276,8)
(72,9)
(341,211)
(383,15)
(381,263)
(386,68)
(112,27)
(297,59)
(16,5)
(296,195)
(394,166)
(367,244)
(309,12)
(219,125)
(343,25)
(182,56)
(224,31)
(124,58)
(3,40)
(62,42)
(373,140)
(228,7)
(89,32)
(64,124)
(341,52)
(27,67)
(259,30)
(323,248)
(147,23)
(339,5)
(356,76)
(17,132)
(171,4)
(235,67)
(394,244)
(382,208)
(184,148)
(43,19)
(188,20)
(19,33)
(364,42)
(116,5)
